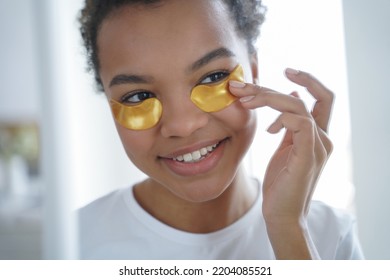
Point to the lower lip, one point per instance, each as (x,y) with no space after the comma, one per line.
(196,168)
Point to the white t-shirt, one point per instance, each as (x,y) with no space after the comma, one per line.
(117,227)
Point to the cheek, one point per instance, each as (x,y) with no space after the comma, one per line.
(137,144)
(238,118)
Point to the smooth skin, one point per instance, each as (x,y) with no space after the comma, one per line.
(168,57)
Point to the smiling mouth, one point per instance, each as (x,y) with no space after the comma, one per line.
(195,162)
(197,155)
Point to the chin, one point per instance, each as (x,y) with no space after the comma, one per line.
(201,190)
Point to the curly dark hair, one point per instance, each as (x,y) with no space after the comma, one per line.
(248,16)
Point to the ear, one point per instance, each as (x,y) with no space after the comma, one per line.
(254,62)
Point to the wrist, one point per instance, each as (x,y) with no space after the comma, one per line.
(284,223)
(291,240)
(286,232)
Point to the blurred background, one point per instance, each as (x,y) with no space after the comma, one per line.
(59,149)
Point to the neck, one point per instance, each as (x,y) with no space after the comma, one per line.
(198,217)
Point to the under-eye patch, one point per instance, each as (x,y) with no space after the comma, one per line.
(215,97)
(137,117)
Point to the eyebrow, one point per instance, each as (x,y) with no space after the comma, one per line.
(130,79)
(209,57)
(204,60)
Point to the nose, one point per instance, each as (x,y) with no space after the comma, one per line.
(181,117)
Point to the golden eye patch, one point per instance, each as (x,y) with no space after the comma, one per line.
(138,117)
(213,98)
(145,115)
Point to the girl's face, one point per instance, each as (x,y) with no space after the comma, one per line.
(164,51)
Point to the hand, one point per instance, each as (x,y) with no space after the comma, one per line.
(296,165)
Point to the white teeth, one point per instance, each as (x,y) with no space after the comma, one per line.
(187,157)
(203,151)
(196,155)
(180,158)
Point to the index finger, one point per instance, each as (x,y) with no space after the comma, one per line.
(322,109)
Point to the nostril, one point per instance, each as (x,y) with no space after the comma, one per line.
(183,123)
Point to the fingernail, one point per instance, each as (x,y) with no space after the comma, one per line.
(236,84)
(292,71)
(295,94)
(246,98)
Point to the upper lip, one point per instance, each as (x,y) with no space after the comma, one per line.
(191,148)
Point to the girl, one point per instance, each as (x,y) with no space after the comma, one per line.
(181,78)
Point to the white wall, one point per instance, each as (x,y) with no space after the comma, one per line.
(18,79)
(367,28)
(20,223)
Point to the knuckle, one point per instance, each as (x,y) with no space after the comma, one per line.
(326,141)
(321,156)
(255,89)
(307,123)
(301,104)
(329,96)
(313,83)
(325,148)
(324,153)
(328,144)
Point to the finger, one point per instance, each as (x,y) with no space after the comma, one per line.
(240,89)
(323,148)
(295,94)
(326,142)
(303,135)
(254,96)
(324,97)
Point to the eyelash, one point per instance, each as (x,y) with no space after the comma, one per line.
(218,76)
(143,95)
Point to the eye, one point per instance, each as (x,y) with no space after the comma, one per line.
(214,78)
(138,97)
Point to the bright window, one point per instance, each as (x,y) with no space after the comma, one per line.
(307,35)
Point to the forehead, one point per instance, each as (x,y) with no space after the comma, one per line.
(140,35)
